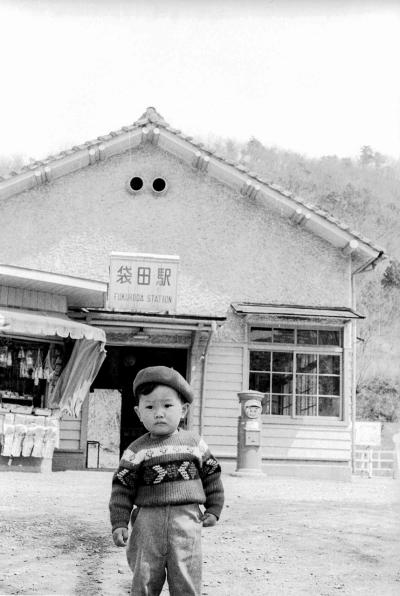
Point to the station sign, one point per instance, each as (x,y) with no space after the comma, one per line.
(143,283)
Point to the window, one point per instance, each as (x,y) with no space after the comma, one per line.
(299,370)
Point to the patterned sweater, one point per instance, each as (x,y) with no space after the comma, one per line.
(170,470)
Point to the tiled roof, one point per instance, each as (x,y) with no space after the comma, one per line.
(152,120)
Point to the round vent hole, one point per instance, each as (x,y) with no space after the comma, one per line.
(136,183)
(159,184)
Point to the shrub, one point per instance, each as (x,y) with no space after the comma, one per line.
(391,276)
(378,399)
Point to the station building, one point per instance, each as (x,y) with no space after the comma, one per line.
(144,243)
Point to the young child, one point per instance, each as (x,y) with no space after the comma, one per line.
(167,474)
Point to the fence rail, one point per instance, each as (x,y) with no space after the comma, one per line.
(376,462)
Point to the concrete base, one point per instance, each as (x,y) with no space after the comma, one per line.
(317,470)
(68,460)
(248,473)
(25,464)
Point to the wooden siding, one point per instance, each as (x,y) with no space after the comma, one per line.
(70,433)
(305,442)
(32,299)
(224,379)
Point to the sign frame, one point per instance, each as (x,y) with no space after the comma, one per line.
(143,283)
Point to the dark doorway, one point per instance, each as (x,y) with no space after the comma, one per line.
(118,372)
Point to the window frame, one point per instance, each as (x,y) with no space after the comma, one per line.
(296,348)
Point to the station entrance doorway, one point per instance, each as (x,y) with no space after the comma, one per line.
(118,372)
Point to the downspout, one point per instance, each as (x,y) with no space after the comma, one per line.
(363,269)
(203,359)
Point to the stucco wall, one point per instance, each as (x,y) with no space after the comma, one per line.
(231,247)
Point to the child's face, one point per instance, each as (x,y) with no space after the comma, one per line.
(161,410)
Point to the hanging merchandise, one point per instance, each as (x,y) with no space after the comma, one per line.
(58,363)
(8,435)
(29,359)
(29,439)
(3,356)
(48,371)
(22,363)
(50,438)
(19,434)
(38,443)
(23,371)
(39,364)
(21,374)
(38,369)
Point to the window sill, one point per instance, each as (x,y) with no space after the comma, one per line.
(304,421)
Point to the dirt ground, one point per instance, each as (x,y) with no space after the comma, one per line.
(277,536)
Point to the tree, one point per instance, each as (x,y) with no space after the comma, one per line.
(369,157)
(378,399)
(366,155)
(391,276)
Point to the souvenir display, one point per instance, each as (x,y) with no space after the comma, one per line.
(28,435)
(28,374)
(28,371)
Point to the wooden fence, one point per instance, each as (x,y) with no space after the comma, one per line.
(376,462)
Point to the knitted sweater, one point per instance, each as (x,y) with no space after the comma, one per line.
(171,470)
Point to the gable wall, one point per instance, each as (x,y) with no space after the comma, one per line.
(231,247)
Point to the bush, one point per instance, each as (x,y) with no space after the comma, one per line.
(378,399)
(391,277)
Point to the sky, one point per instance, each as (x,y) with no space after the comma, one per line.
(316,77)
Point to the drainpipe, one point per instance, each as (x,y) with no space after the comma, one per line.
(364,268)
(203,359)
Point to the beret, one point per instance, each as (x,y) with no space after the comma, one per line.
(164,376)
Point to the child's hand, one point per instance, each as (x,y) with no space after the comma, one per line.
(120,536)
(208,520)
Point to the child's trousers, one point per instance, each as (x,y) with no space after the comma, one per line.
(166,541)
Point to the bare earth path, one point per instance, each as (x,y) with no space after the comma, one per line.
(277,537)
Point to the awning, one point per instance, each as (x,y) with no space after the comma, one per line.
(44,324)
(286,310)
